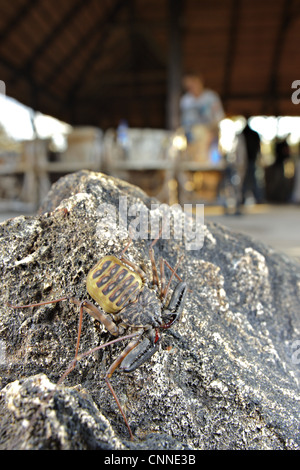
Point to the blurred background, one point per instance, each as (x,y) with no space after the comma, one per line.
(193,101)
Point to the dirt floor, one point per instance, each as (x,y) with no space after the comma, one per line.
(277,226)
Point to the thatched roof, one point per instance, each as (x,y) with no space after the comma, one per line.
(93,62)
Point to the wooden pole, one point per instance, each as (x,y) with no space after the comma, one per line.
(174,64)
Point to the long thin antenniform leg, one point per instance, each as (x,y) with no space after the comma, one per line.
(71,367)
(87,306)
(162,278)
(155,278)
(111,327)
(111,370)
(164,291)
(137,268)
(82,304)
(157,238)
(38,304)
(126,247)
(134,266)
(91,351)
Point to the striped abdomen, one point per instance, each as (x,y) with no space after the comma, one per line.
(111,284)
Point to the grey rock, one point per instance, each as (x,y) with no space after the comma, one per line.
(225,377)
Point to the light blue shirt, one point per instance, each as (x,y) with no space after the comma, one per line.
(205,109)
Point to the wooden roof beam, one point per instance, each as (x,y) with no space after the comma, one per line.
(82,43)
(270,102)
(159,53)
(132,34)
(31,82)
(61,26)
(294,10)
(24,11)
(231,48)
(96,52)
(174,64)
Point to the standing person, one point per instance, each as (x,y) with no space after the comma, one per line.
(279,185)
(252,144)
(199,106)
(296,188)
(201,111)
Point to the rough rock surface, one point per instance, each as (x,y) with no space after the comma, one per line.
(225,377)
